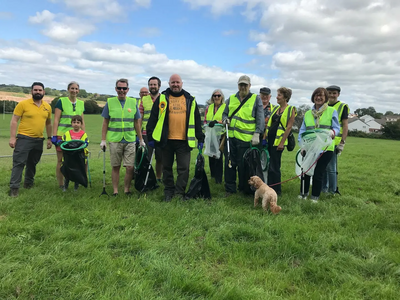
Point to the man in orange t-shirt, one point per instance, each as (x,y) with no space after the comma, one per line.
(175,137)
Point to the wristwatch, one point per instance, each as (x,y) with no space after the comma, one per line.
(342,142)
(49,137)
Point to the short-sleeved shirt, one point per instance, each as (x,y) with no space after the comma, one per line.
(345,113)
(33,117)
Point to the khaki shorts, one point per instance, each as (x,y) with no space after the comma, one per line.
(124,152)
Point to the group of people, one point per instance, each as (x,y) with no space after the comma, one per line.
(170,122)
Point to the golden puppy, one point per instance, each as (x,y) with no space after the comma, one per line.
(267,194)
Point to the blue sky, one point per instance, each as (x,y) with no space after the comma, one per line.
(301,44)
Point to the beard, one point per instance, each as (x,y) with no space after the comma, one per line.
(37,96)
(154,91)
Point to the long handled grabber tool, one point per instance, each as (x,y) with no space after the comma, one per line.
(337,173)
(302,174)
(88,169)
(104,174)
(148,171)
(227,144)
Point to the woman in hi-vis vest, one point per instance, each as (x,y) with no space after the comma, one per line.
(212,116)
(279,126)
(66,107)
(322,117)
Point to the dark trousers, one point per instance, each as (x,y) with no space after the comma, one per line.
(182,151)
(237,150)
(27,152)
(216,167)
(318,175)
(274,169)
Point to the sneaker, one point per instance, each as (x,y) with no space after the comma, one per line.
(14,192)
(28,185)
(114,194)
(302,196)
(314,199)
(167,198)
(129,193)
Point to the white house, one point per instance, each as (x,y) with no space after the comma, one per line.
(366,118)
(374,126)
(358,125)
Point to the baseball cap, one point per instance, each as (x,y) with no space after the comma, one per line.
(244,79)
(265,90)
(333,88)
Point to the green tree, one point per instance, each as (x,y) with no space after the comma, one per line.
(91,107)
(301,110)
(392,130)
(48,91)
(82,93)
(53,104)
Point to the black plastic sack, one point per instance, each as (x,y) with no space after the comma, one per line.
(73,166)
(252,167)
(142,164)
(199,187)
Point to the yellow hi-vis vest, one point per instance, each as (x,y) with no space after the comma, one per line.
(147,105)
(68,112)
(163,110)
(285,117)
(243,124)
(218,115)
(67,137)
(339,106)
(325,122)
(121,124)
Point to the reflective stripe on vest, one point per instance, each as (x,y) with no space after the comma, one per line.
(325,122)
(67,137)
(147,105)
(162,110)
(243,124)
(67,113)
(285,117)
(218,115)
(339,106)
(121,124)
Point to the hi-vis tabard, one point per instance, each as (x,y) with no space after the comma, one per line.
(217,116)
(325,122)
(285,117)
(147,105)
(163,110)
(68,112)
(243,124)
(121,124)
(339,106)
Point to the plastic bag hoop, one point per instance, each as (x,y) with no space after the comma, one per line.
(62,146)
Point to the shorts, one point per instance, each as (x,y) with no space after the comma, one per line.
(158,154)
(122,152)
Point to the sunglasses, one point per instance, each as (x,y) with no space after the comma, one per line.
(122,88)
(73,106)
(217,96)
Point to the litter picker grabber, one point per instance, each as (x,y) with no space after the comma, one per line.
(104,174)
(302,174)
(227,144)
(337,173)
(88,169)
(148,170)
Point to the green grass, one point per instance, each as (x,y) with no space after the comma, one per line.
(77,245)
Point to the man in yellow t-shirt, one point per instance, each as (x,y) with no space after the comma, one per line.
(173,125)
(34,114)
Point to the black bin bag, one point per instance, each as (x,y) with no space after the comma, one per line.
(73,166)
(199,187)
(252,167)
(142,168)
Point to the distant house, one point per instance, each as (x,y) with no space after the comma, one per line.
(365,124)
(356,124)
(390,118)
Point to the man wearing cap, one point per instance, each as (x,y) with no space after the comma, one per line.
(245,126)
(35,114)
(329,183)
(265,95)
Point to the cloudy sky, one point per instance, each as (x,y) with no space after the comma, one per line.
(301,44)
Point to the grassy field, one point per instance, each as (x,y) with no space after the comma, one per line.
(77,245)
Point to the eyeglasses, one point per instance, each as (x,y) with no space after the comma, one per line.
(217,96)
(122,88)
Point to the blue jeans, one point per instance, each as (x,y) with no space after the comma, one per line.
(329,182)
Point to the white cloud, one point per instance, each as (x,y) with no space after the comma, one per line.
(108,9)
(351,43)
(142,3)
(69,30)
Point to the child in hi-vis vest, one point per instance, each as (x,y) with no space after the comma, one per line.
(76,133)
